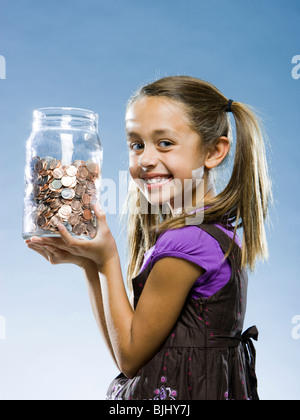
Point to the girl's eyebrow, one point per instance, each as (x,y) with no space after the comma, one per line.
(155,133)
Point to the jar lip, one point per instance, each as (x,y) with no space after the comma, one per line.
(48,112)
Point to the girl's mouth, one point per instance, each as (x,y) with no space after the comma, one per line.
(157,182)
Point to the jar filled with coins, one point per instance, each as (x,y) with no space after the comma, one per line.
(62,173)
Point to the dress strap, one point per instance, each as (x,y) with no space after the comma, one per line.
(224,240)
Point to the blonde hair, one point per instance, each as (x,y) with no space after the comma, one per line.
(246,197)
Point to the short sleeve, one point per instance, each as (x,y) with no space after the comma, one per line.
(190,243)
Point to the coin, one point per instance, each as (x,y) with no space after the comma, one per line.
(74,219)
(67,180)
(41,221)
(39,167)
(71,170)
(58,173)
(91,229)
(54,204)
(68,193)
(79,190)
(82,173)
(63,194)
(54,221)
(79,228)
(92,167)
(87,214)
(55,184)
(76,206)
(86,199)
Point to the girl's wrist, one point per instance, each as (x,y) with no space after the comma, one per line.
(87,265)
(112,262)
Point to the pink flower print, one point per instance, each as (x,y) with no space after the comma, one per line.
(163,379)
(211,334)
(226,394)
(189,373)
(141,284)
(164,393)
(173,335)
(165,368)
(190,359)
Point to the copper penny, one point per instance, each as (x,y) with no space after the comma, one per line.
(87,214)
(82,173)
(76,206)
(79,229)
(74,219)
(79,190)
(86,199)
(58,173)
(65,211)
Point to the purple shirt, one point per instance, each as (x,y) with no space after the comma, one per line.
(194,244)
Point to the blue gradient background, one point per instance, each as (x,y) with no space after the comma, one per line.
(94,54)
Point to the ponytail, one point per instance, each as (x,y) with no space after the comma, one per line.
(250,184)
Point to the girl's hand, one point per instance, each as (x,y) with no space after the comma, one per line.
(58,256)
(101,249)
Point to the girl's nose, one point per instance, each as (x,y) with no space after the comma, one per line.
(147,158)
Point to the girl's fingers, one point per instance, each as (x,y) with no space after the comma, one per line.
(39,250)
(73,245)
(65,235)
(58,242)
(101,218)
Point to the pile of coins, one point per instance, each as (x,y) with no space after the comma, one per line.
(63,194)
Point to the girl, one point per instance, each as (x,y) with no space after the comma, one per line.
(181,338)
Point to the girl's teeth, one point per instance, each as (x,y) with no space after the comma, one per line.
(155,180)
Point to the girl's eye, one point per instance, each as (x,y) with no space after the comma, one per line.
(166,141)
(135,146)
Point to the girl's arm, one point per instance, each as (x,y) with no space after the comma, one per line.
(95,295)
(135,336)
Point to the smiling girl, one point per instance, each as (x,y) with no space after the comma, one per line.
(181,338)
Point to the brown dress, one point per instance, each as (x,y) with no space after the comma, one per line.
(206,356)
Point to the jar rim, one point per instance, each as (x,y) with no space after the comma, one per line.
(65,117)
(67,111)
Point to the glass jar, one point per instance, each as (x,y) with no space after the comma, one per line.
(62,173)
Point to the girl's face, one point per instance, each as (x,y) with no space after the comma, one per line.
(163,149)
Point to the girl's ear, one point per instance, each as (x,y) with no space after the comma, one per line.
(217,153)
